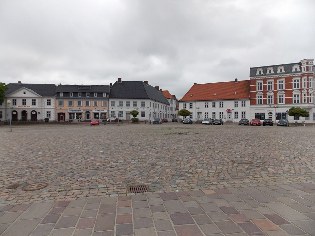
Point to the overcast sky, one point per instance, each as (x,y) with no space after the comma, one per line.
(170,43)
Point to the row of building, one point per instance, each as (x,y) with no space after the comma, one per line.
(269,93)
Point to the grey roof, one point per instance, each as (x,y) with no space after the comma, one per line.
(83,88)
(287,69)
(45,90)
(136,90)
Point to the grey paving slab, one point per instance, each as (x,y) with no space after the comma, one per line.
(307,226)
(287,212)
(83,232)
(62,232)
(292,230)
(37,210)
(210,229)
(173,206)
(163,225)
(9,217)
(105,222)
(228,227)
(21,227)
(43,230)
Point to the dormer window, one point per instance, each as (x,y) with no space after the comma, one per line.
(71,94)
(259,71)
(61,94)
(270,70)
(95,95)
(87,95)
(295,68)
(104,95)
(79,94)
(280,69)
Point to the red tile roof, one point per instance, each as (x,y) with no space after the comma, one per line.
(167,94)
(218,91)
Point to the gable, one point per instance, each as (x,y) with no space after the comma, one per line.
(24,93)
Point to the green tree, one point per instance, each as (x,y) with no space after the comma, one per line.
(3,88)
(134,114)
(297,112)
(184,113)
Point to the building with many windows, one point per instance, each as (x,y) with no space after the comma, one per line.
(228,101)
(28,102)
(81,102)
(126,96)
(275,89)
(172,110)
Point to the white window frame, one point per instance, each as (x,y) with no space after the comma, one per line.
(235,114)
(33,102)
(71,94)
(296,98)
(221,104)
(221,115)
(259,85)
(120,103)
(48,114)
(296,83)
(112,103)
(13,102)
(281,84)
(243,103)
(48,102)
(243,114)
(270,99)
(24,102)
(206,105)
(270,85)
(95,95)
(235,103)
(259,99)
(206,115)
(281,99)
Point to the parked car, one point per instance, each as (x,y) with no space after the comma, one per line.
(217,122)
(283,122)
(94,122)
(243,122)
(174,120)
(255,122)
(164,120)
(207,121)
(268,122)
(187,121)
(156,121)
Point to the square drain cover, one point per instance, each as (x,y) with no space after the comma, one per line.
(138,188)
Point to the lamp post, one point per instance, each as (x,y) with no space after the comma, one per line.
(10,116)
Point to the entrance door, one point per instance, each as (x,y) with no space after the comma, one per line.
(61,117)
(33,115)
(127,115)
(14,116)
(229,116)
(87,115)
(24,115)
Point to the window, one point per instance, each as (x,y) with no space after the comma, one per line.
(259,86)
(296,83)
(281,115)
(48,114)
(120,114)
(280,84)
(0,114)
(236,115)
(184,106)
(121,103)
(70,104)
(60,103)
(221,114)
(235,103)
(270,85)
(142,104)
(260,116)
(71,94)
(295,68)
(79,103)
(243,114)
(280,69)
(259,99)
(33,102)
(95,103)
(14,102)
(87,103)
(142,113)
(112,103)
(213,104)
(61,94)
(220,104)
(104,95)
(24,102)
(243,103)
(269,99)
(311,98)
(206,115)
(304,98)
(104,104)
(213,115)
(134,103)
(127,103)
(206,105)
(95,95)
(280,98)
(112,114)
(48,102)
(191,115)
(79,94)
(87,95)
(310,83)
(191,105)
(296,98)
(270,70)
(304,83)
(259,71)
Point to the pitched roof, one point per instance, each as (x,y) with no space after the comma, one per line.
(218,91)
(167,94)
(136,90)
(45,90)
(83,88)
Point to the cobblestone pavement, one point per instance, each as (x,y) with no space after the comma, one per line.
(77,161)
(277,210)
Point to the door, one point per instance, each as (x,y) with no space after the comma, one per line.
(33,115)
(14,116)
(61,117)
(24,115)
(127,115)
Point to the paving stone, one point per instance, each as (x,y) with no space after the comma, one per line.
(67,222)
(107,209)
(252,214)
(202,219)
(83,232)
(311,215)
(37,210)
(124,210)
(161,215)
(9,217)
(124,219)
(162,225)
(140,204)
(173,206)
(308,226)
(166,233)
(250,228)
(42,230)
(265,225)
(292,230)
(287,212)
(76,203)
(210,229)
(92,206)
(89,213)
(145,232)
(104,233)
(139,197)
(72,211)
(181,219)
(57,210)
(168,196)
(19,207)
(239,218)
(3,227)
(124,229)
(142,212)
(159,208)
(62,232)
(195,210)
(188,230)
(276,219)
(229,210)
(51,218)
(124,203)
(85,223)
(143,223)
(228,227)
(208,207)
(218,216)
(105,222)
(21,227)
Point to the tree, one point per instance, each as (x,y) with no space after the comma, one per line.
(3,88)
(184,113)
(297,112)
(134,114)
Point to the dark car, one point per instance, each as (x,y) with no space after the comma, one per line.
(255,122)
(164,120)
(268,122)
(156,121)
(187,121)
(283,122)
(217,122)
(243,122)
(174,120)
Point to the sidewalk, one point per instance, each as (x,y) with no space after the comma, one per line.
(273,210)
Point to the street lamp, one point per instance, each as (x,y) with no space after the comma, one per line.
(10,116)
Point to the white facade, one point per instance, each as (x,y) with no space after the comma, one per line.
(227,110)
(148,109)
(172,109)
(27,105)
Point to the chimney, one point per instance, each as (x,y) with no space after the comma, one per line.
(161,90)
(157,87)
(235,80)
(146,82)
(119,80)
(110,85)
(19,82)
(195,83)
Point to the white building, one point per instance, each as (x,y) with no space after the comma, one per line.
(28,102)
(172,111)
(228,101)
(126,96)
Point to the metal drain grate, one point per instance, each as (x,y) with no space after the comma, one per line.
(138,188)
